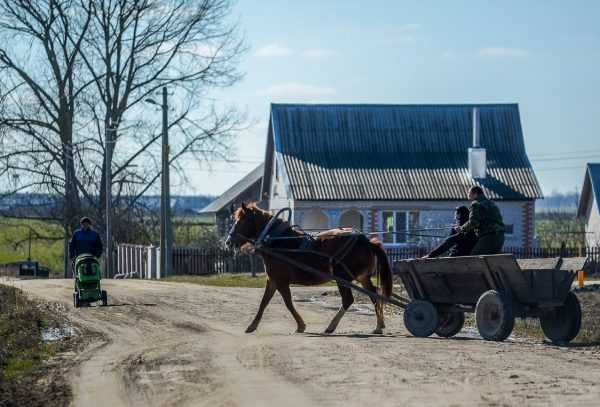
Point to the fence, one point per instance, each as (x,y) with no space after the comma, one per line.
(142,261)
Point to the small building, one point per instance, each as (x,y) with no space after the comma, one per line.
(589,204)
(397,168)
(245,190)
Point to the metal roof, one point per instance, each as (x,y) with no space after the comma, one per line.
(591,185)
(398,152)
(224,201)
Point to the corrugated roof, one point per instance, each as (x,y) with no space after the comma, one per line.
(227,197)
(398,152)
(591,185)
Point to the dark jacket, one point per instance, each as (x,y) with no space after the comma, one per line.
(85,242)
(456,244)
(484,218)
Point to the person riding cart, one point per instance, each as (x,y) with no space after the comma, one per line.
(485,220)
(456,244)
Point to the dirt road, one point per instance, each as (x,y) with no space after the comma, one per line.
(172,344)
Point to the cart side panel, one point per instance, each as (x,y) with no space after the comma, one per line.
(453,280)
(512,279)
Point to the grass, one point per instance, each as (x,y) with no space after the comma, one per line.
(229,280)
(14,242)
(21,326)
(25,378)
(223,280)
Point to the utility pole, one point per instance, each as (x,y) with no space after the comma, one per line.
(109,142)
(166,231)
(166,190)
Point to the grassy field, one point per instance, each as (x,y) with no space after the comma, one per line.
(46,246)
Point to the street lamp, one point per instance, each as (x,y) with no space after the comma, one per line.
(166,236)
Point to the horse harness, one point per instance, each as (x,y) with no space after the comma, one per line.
(274,230)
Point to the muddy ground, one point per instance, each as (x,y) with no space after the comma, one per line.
(174,344)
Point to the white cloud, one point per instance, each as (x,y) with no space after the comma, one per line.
(316,52)
(503,52)
(296,89)
(274,50)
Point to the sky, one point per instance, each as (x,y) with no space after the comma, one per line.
(543,55)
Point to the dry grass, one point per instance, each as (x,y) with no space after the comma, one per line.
(24,375)
(223,280)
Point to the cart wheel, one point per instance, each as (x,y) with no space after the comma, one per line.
(450,324)
(75,300)
(494,316)
(421,318)
(104,298)
(563,324)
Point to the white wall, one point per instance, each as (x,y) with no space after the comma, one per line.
(432,214)
(592,224)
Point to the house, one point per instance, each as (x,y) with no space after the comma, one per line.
(245,190)
(589,204)
(397,168)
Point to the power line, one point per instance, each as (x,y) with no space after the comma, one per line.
(567,158)
(563,153)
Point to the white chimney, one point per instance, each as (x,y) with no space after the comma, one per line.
(477,156)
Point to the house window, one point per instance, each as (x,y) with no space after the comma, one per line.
(508,229)
(399,225)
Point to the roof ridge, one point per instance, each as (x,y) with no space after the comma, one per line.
(490,104)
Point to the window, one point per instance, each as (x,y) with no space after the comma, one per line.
(399,225)
(508,229)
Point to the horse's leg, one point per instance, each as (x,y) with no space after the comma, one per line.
(347,300)
(367,284)
(286,294)
(269,291)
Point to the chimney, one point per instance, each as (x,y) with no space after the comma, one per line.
(477,155)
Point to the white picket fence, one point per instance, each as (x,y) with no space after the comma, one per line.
(136,261)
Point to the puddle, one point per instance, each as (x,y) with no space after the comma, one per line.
(56,334)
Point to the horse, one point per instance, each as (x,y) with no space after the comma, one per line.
(349,256)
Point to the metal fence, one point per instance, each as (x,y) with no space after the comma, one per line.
(142,261)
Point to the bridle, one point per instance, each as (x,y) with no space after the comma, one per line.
(264,233)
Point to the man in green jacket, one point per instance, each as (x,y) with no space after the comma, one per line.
(485,219)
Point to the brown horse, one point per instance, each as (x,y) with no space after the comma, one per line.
(361,257)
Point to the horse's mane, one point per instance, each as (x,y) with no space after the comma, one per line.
(253,207)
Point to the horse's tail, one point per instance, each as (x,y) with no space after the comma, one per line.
(383,267)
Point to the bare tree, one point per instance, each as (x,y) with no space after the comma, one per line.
(74,75)
(40,46)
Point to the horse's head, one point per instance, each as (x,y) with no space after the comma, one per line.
(249,220)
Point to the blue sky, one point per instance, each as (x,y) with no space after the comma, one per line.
(543,55)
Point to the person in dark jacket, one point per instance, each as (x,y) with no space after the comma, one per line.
(456,244)
(85,240)
(485,220)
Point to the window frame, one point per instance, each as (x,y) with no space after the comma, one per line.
(407,240)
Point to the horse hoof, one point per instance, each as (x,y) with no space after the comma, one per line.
(377,331)
(329,331)
(250,329)
(301,329)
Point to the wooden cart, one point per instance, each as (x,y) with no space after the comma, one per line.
(497,289)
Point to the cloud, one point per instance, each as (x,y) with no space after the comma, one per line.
(296,89)
(274,50)
(316,52)
(503,52)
